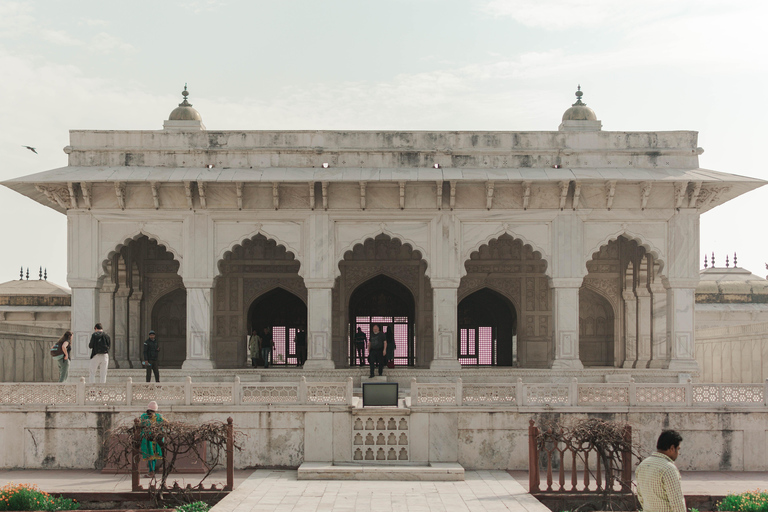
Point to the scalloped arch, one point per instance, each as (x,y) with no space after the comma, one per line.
(372,236)
(639,239)
(250,236)
(140,233)
(501,232)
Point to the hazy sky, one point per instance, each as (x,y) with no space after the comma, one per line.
(409,65)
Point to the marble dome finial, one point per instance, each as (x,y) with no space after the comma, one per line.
(579,111)
(185,112)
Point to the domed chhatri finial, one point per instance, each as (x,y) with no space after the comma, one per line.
(21,273)
(579,94)
(705,261)
(184,94)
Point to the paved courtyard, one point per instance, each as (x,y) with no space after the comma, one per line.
(280,491)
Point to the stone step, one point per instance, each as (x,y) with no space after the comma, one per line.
(433,471)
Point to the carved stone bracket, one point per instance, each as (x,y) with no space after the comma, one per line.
(576,194)
(311,195)
(276,195)
(120,193)
(439,190)
(402,194)
(526,194)
(610,191)
(188,192)
(239,190)
(488,195)
(564,193)
(85,189)
(201,194)
(694,194)
(645,193)
(362,194)
(56,195)
(155,195)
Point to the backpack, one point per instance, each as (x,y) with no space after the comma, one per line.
(56,350)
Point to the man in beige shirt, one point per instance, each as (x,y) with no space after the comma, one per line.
(658,480)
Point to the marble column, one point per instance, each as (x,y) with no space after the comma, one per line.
(199,326)
(319,313)
(565,313)
(659,345)
(135,340)
(106,316)
(85,314)
(630,318)
(120,339)
(643,317)
(445,324)
(680,325)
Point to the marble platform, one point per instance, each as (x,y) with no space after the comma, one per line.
(435,471)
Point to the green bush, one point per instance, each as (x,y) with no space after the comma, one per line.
(29,497)
(198,506)
(752,501)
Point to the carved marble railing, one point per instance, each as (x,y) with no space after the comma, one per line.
(574,394)
(178,393)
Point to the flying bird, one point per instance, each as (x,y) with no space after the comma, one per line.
(31,149)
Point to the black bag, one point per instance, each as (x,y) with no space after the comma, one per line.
(56,350)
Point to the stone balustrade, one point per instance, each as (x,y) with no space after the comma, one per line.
(233,393)
(518,394)
(574,394)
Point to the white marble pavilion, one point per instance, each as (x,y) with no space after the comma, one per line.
(565,249)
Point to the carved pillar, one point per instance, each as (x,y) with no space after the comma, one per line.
(319,314)
(643,316)
(135,345)
(565,313)
(445,324)
(85,314)
(199,324)
(106,315)
(659,345)
(120,340)
(680,325)
(630,318)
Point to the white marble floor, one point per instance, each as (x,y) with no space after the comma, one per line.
(280,491)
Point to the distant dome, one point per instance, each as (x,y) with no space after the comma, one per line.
(579,111)
(185,112)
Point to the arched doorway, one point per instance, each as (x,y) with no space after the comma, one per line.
(397,269)
(284,314)
(382,300)
(137,277)
(487,330)
(247,273)
(169,321)
(595,329)
(516,272)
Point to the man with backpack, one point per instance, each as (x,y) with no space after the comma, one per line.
(99,346)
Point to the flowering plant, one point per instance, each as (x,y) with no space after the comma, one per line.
(29,497)
(751,501)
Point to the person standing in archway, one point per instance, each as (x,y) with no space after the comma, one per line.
(151,355)
(254,345)
(301,347)
(360,342)
(266,346)
(377,347)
